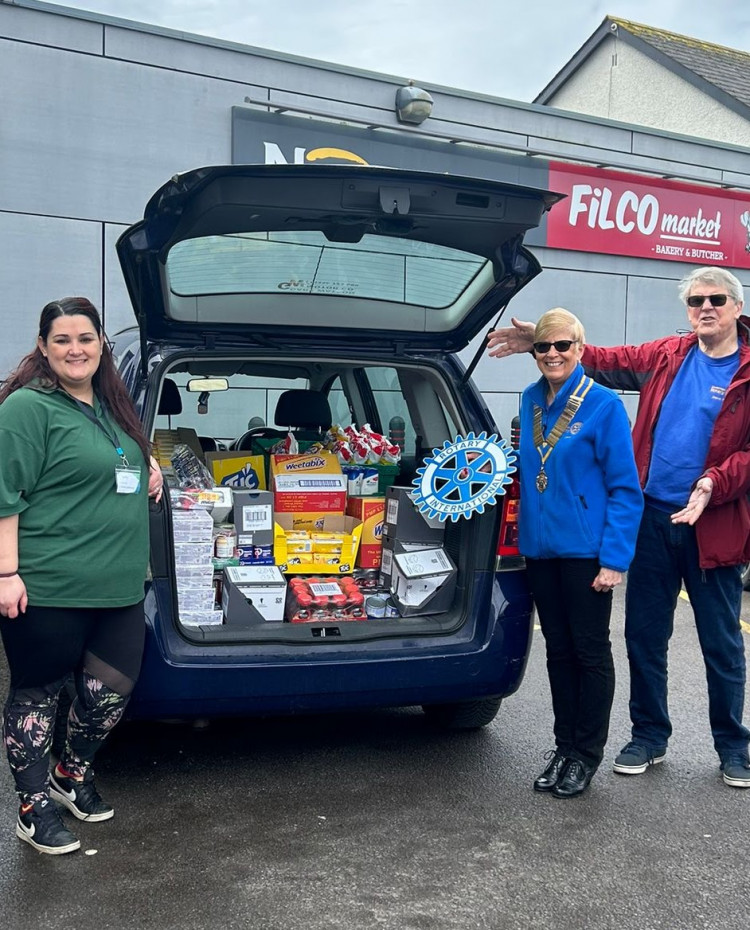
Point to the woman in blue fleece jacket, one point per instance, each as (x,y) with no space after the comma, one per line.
(581,505)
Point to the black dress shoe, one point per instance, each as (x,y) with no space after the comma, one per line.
(573,780)
(551,775)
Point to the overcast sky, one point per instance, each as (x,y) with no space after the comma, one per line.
(497,47)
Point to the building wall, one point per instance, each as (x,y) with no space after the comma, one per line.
(619,82)
(97,114)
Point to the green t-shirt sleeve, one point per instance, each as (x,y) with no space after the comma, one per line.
(22,450)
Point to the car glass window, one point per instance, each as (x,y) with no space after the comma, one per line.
(392,407)
(249,401)
(340,411)
(387,268)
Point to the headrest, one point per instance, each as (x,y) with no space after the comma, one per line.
(303,410)
(170,402)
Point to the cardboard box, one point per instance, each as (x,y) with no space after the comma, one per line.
(370,511)
(237,470)
(255,555)
(192,526)
(404,521)
(331,523)
(199,618)
(316,464)
(165,440)
(262,587)
(423,582)
(313,493)
(216,502)
(316,599)
(390,548)
(252,515)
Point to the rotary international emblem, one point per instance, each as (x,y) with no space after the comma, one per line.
(465,476)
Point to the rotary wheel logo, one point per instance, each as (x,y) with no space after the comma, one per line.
(464,476)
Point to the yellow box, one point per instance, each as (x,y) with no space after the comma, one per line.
(332,523)
(371,511)
(299,558)
(237,470)
(306,521)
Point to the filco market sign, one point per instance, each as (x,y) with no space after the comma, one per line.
(628,214)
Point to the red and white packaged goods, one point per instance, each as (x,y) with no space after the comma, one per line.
(294,535)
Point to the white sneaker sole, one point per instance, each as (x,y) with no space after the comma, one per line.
(636,769)
(50,850)
(78,814)
(735,782)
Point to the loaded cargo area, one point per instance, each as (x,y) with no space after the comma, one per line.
(291,513)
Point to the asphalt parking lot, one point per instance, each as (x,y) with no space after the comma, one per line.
(378,821)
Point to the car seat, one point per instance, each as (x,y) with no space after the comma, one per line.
(305,413)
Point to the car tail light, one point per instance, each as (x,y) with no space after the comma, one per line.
(508,542)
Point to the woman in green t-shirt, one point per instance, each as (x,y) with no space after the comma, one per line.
(75,477)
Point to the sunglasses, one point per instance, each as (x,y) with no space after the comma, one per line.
(562,345)
(717,300)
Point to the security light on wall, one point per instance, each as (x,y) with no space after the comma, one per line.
(413,105)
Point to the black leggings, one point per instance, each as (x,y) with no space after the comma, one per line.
(101,648)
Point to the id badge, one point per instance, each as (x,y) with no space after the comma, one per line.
(127,479)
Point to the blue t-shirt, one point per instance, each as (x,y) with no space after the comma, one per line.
(686,421)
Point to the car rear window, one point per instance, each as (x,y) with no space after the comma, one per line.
(391,269)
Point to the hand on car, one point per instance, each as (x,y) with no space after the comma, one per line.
(697,502)
(13,598)
(155,480)
(510,340)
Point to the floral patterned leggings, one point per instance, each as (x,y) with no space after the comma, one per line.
(29,725)
(101,650)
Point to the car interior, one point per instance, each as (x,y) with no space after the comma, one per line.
(304,397)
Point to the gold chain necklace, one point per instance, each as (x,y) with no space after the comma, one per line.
(545,446)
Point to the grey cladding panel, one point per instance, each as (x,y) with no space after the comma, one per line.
(43,259)
(683,150)
(116,299)
(44,29)
(254,70)
(102,134)
(597,299)
(654,309)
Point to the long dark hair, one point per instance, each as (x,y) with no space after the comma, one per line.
(106,382)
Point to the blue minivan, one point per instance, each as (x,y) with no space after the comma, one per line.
(353,287)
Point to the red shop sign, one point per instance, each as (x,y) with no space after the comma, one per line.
(630,214)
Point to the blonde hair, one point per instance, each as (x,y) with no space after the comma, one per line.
(559,318)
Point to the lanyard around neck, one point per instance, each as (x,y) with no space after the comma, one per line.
(107,429)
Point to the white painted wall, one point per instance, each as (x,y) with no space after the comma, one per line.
(618,82)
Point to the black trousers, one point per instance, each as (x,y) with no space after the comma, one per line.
(575,624)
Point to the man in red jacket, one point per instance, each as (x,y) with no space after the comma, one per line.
(692,448)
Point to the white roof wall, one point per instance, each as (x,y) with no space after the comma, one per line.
(618,82)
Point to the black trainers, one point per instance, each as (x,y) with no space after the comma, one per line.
(41,827)
(634,759)
(80,797)
(735,771)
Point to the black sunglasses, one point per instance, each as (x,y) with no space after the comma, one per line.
(562,345)
(717,300)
